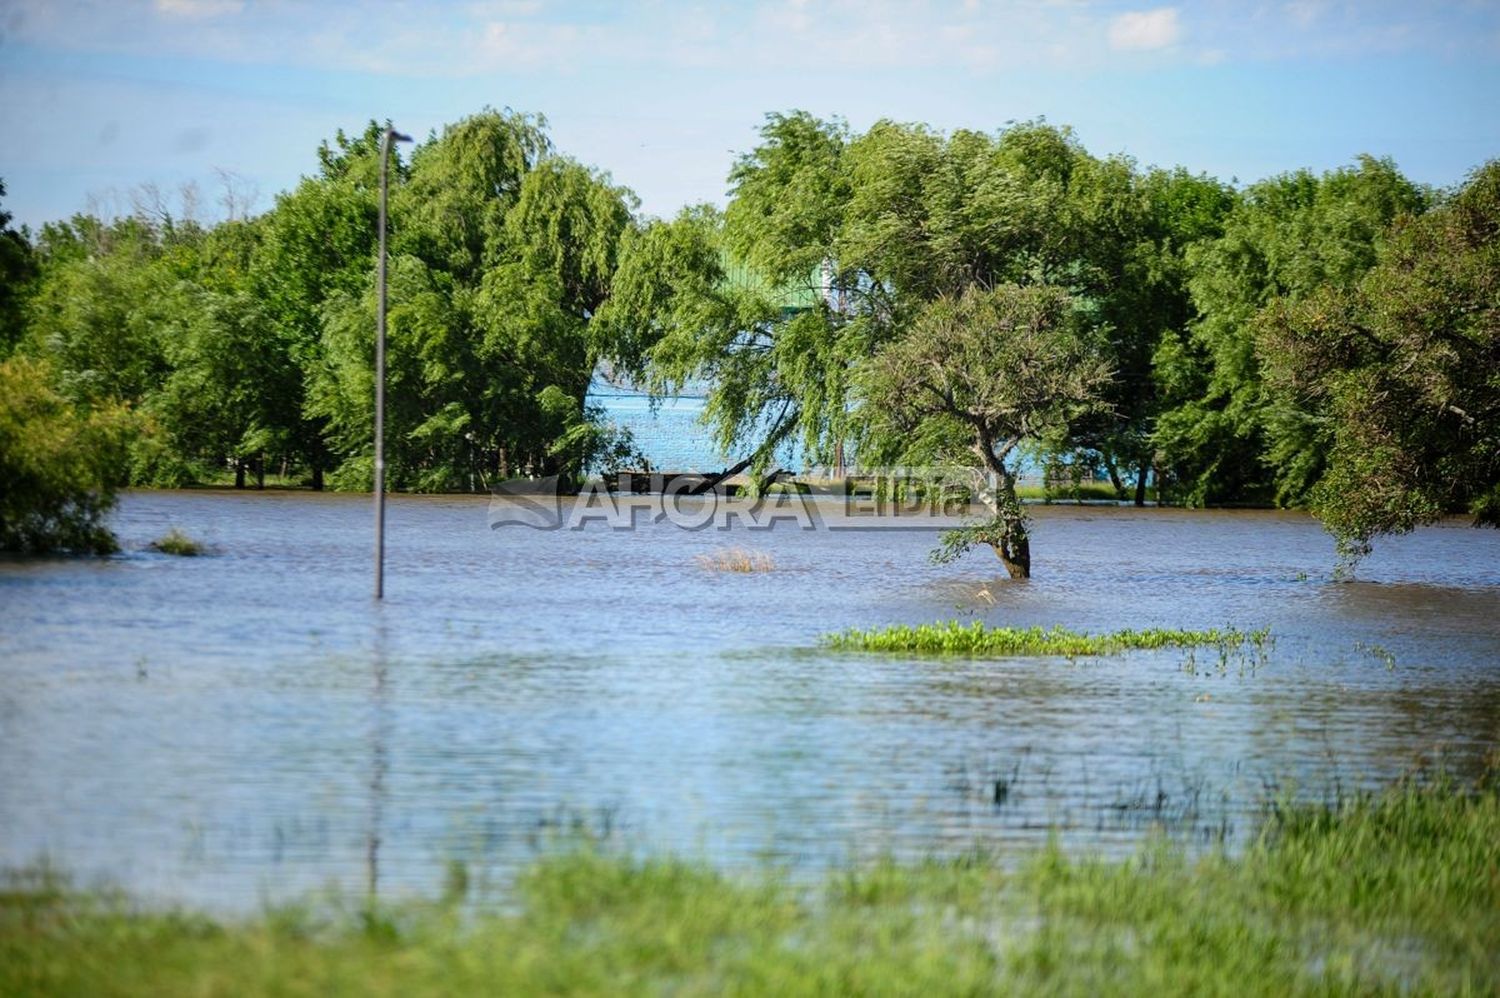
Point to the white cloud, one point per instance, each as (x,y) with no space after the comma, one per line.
(199,8)
(1145,30)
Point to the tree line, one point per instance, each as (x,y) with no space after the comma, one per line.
(1321,340)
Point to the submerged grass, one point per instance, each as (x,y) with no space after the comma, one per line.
(737,560)
(178,543)
(977,639)
(1392,893)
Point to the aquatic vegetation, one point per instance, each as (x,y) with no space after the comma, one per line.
(1389,892)
(978,640)
(737,560)
(178,543)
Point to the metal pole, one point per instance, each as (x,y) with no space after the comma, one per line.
(385,155)
(391,135)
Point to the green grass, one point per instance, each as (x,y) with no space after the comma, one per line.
(977,640)
(1396,892)
(1084,491)
(178,543)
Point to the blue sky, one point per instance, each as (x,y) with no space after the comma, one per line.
(97,98)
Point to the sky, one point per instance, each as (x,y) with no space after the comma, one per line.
(100,97)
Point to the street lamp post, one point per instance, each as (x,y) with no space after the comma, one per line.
(391,135)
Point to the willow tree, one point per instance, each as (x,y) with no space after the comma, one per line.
(975,377)
(1400,370)
(502,252)
(1221,436)
(831,246)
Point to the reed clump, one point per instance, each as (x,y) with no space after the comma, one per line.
(737,559)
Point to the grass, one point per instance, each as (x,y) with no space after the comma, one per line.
(1067,492)
(978,640)
(1397,892)
(737,560)
(178,543)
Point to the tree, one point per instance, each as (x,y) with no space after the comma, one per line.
(830,247)
(59,465)
(1221,438)
(17,269)
(1400,372)
(984,372)
(503,253)
(1139,229)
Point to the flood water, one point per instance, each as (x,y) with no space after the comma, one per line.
(249,725)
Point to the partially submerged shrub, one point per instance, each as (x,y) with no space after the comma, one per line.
(59,465)
(737,560)
(178,543)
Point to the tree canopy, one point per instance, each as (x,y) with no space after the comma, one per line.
(997,298)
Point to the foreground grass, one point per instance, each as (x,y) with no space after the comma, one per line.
(1398,892)
(977,639)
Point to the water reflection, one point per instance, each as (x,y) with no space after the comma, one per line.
(380,738)
(247,725)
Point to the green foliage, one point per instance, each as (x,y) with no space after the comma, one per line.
(1129,322)
(978,640)
(1222,439)
(59,465)
(976,377)
(502,254)
(176,542)
(17,270)
(1400,372)
(835,245)
(1393,892)
(250,344)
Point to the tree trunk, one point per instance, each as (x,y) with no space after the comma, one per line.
(1016,557)
(1012,545)
(260,470)
(1140,482)
(317,482)
(239,472)
(1114,478)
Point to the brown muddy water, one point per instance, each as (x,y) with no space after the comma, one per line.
(249,725)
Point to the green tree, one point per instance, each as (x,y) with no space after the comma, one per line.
(59,464)
(1138,228)
(1402,372)
(502,254)
(1221,438)
(975,377)
(17,269)
(318,243)
(833,246)
(99,304)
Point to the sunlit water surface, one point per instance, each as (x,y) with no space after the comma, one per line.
(249,725)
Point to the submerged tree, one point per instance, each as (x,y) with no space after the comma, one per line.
(976,376)
(831,247)
(59,464)
(1401,370)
